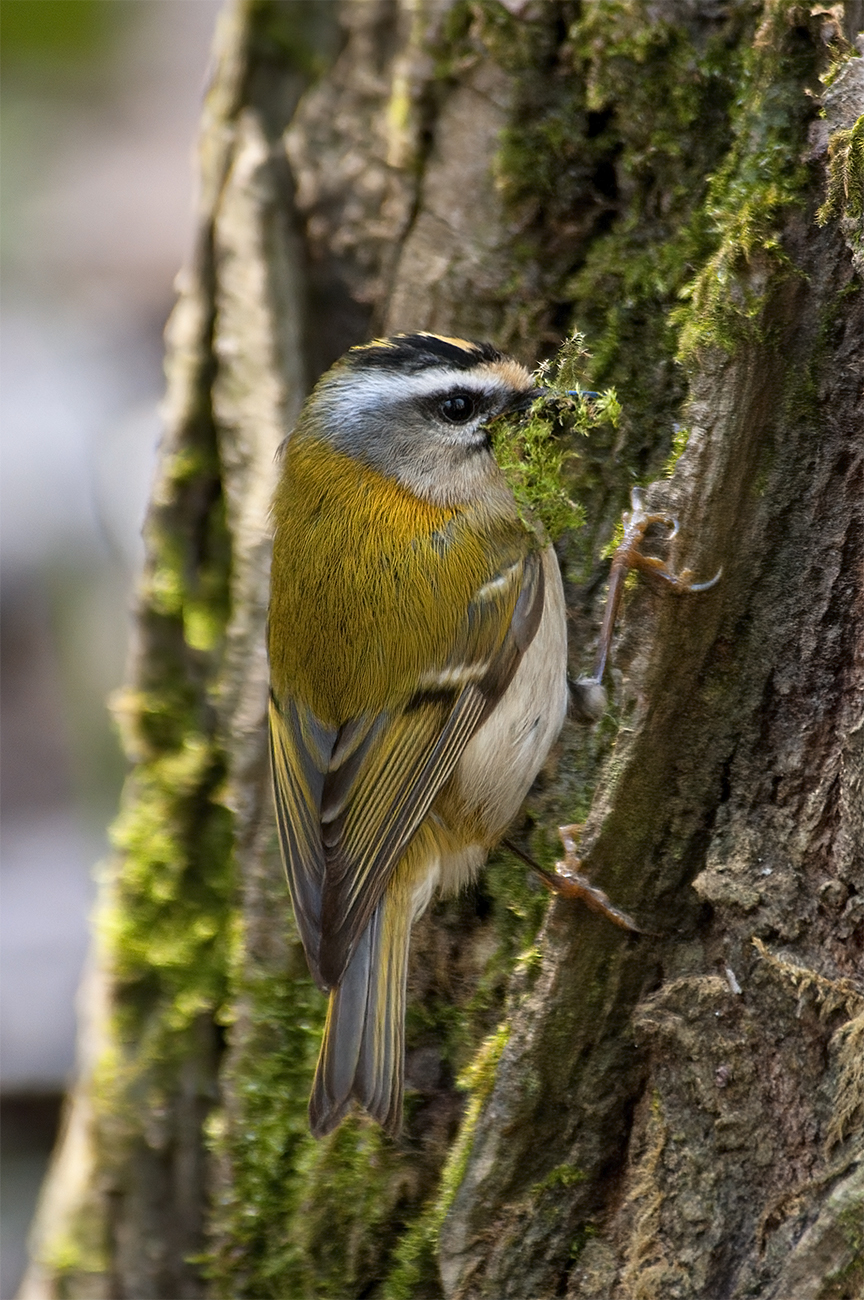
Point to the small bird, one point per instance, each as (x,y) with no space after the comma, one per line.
(418,664)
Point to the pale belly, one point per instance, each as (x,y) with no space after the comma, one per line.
(503,757)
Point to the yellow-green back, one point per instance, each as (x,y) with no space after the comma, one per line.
(370,585)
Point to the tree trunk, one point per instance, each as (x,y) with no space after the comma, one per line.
(590,1113)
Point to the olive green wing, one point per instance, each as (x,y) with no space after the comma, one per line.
(385,773)
(300,751)
(352,797)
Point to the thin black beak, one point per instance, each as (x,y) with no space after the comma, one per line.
(525,400)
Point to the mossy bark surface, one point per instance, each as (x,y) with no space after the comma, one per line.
(671,1114)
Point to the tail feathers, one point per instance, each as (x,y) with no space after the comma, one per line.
(362,1055)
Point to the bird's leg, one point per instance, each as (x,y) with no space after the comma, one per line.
(568,881)
(628,555)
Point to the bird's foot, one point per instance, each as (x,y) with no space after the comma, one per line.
(569,882)
(589,695)
(628,554)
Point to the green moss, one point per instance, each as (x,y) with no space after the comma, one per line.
(264,1141)
(536,451)
(845,197)
(648,85)
(583,1235)
(517,906)
(81,1252)
(306,1218)
(679,443)
(620,119)
(415,1256)
(165,919)
(560,1176)
(750,195)
(166,926)
(294,1216)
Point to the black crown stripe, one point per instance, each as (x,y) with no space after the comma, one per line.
(415,352)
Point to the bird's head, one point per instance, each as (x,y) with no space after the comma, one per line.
(416,408)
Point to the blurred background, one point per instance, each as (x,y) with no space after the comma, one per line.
(100,102)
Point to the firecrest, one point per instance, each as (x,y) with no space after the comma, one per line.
(418,654)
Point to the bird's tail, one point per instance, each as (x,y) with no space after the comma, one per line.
(362,1054)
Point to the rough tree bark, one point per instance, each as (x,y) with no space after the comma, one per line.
(591,1114)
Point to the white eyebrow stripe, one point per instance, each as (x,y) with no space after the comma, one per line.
(370,388)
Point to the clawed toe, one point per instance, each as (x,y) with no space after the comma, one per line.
(628,556)
(568,882)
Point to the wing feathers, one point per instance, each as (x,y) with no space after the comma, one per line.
(297,783)
(362,1052)
(388,813)
(349,802)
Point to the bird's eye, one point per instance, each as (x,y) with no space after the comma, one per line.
(457,408)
